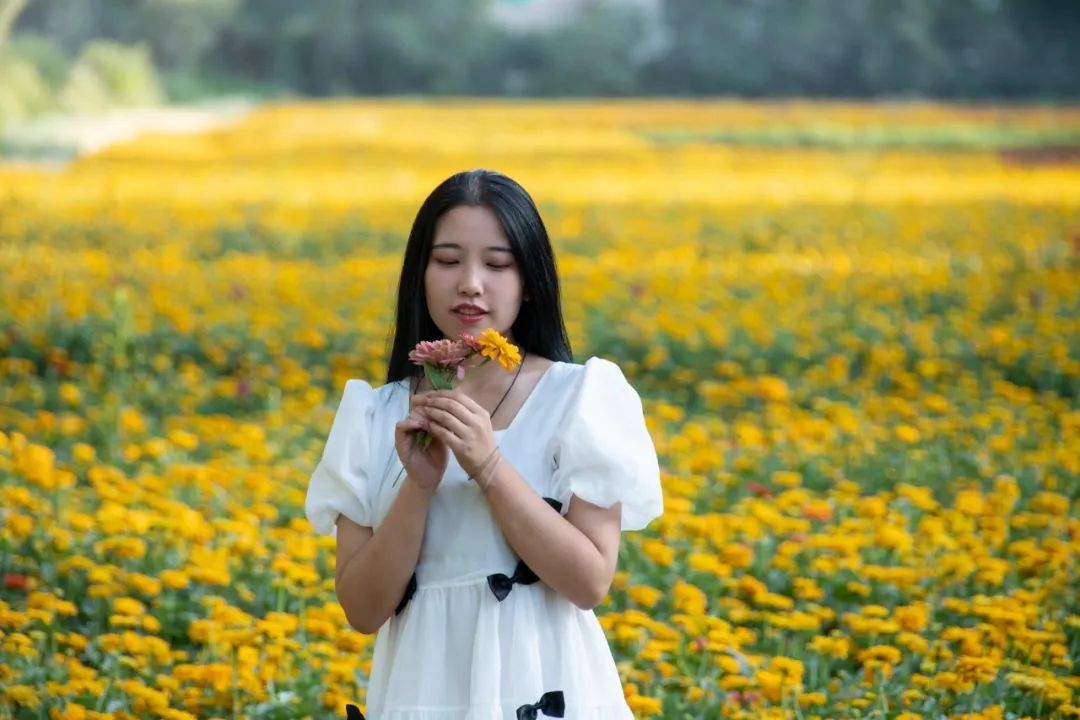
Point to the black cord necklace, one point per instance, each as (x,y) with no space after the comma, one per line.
(524,353)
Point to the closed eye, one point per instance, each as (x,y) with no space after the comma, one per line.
(493,266)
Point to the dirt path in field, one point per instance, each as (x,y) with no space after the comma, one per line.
(55,140)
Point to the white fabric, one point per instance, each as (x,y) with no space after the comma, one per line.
(603,451)
(455,652)
(339,483)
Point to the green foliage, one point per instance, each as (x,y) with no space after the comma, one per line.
(931,138)
(37,77)
(23,92)
(180,32)
(31,69)
(846,48)
(592,56)
(47,57)
(125,75)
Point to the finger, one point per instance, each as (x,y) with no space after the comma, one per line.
(450,405)
(448,421)
(412,422)
(460,397)
(474,407)
(445,436)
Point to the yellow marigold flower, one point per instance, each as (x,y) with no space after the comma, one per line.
(773,388)
(84,453)
(183,439)
(808,589)
(858,588)
(873,508)
(494,346)
(733,682)
(658,552)
(174,579)
(705,562)
(969,502)
(127,607)
(69,394)
(773,685)
(728,664)
(787,478)
(644,595)
(23,695)
(131,421)
(881,653)
(951,681)
(911,696)
(643,705)
(750,585)
(737,555)
(913,643)
(979,669)
(912,618)
(790,668)
(20,525)
(907,433)
(689,598)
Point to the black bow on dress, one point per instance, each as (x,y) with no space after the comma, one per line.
(551,704)
(501,585)
(554,503)
(410,590)
(353,713)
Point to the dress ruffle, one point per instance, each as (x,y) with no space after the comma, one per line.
(507,665)
(603,451)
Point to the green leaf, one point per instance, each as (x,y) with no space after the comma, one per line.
(437,378)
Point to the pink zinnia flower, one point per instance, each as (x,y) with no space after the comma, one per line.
(470,341)
(440,353)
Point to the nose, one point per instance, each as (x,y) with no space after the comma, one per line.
(469,281)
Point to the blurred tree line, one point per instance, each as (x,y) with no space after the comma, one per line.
(837,48)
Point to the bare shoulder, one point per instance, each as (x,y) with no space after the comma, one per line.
(536,366)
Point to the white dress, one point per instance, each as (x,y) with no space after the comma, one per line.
(455,651)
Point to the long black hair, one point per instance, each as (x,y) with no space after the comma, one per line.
(539,327)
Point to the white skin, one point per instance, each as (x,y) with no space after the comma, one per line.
(575,555)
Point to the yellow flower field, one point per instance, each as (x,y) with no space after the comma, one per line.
(860,362)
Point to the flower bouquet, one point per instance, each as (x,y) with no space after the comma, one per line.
(444,362)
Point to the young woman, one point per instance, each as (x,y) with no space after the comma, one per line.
(481,566)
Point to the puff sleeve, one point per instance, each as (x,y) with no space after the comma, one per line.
(339,484)
(603,451)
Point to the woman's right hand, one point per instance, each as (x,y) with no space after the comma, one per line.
(424,467)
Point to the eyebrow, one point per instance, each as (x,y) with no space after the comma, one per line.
(455,246)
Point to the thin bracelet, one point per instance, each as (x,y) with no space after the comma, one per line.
(485,486)
(484,464)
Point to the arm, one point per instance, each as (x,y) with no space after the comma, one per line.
(574,555)
(373,569)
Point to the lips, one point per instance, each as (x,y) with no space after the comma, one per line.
(470,314)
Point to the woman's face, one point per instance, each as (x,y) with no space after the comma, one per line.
(472,280)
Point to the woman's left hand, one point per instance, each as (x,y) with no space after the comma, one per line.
(462,424)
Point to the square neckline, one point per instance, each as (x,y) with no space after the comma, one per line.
(528,400)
